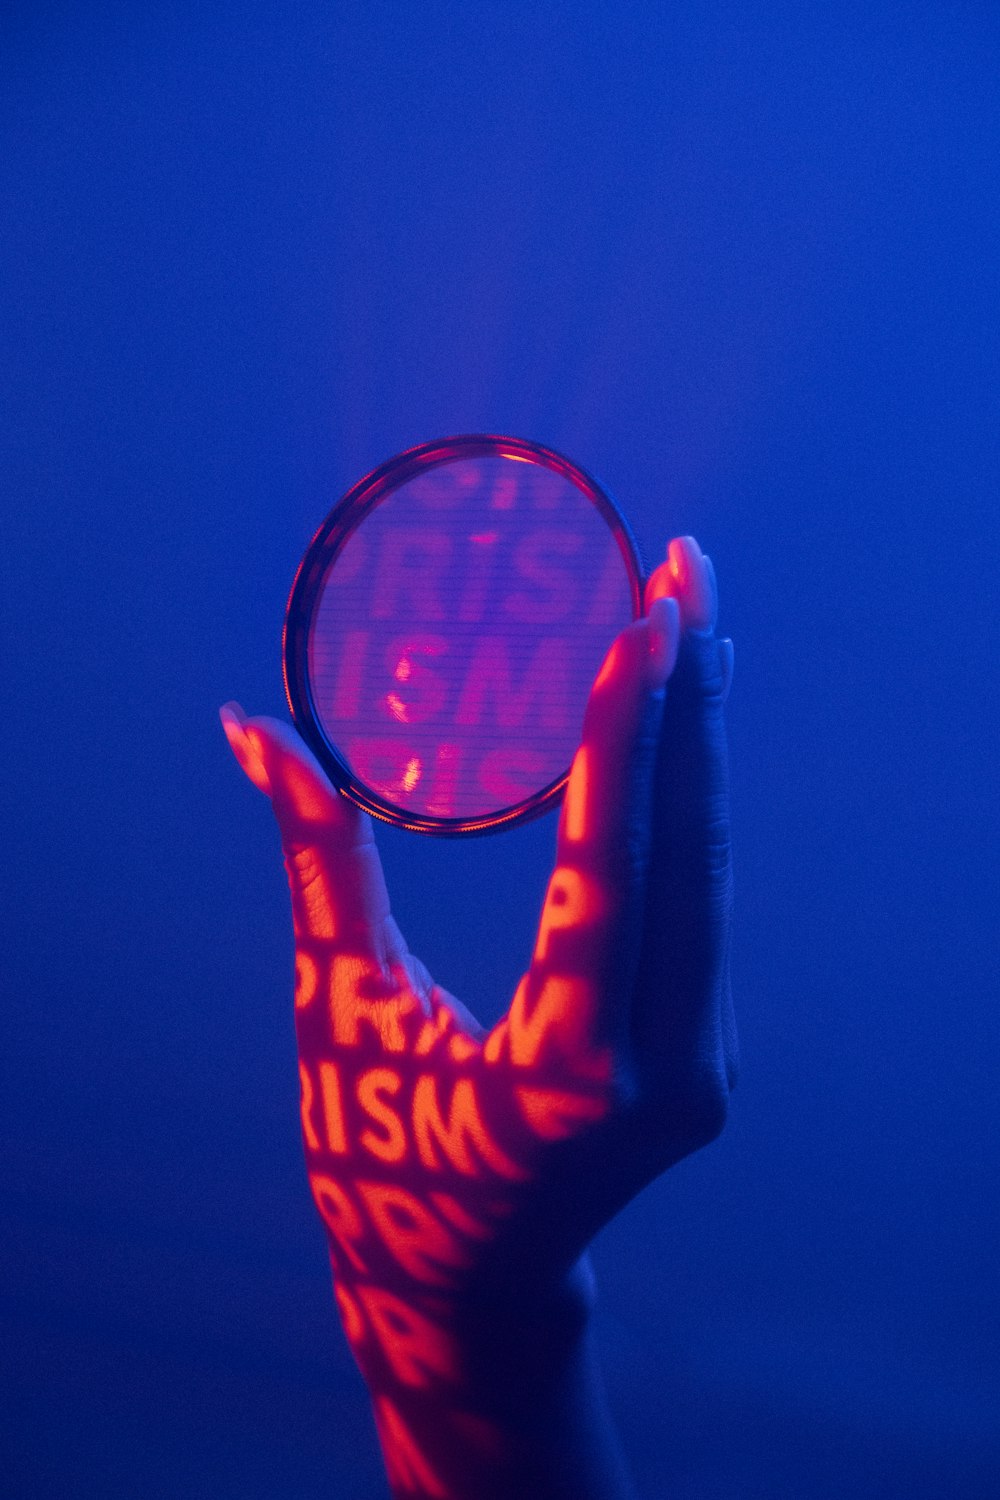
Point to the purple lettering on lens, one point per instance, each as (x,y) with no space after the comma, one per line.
(457,634)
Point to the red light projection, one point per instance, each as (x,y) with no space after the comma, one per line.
(423,1137)
(420,1139)
(430,1143)
(442,639)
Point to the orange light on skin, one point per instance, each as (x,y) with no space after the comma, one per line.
(462,1138)
(310,802)
(306,980)
(350,1315)
(678,562)
(348,974)
(433,1029)
(384,1017)
(312,903)
(340,1216)
(571,900)
(461,1048)
(575,806)
(405,1464)
(425,1247)
(417,1350)
(559,1022)
(246,746)
(388,1140)
(333,1107)
(609,667)
(306,1100)
(554,1114)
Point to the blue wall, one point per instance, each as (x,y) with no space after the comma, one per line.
(741,264)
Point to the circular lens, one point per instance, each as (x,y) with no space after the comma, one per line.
(446,625)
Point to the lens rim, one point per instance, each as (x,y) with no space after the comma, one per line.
(321,554)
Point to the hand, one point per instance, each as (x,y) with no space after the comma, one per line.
(461,1175)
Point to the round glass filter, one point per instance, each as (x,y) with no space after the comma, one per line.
(445,627)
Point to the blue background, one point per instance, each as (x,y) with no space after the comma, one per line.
(742,262)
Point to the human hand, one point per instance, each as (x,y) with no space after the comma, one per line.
(461,1175)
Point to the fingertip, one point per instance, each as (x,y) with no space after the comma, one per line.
(233,710)
(300,789)
(247,754)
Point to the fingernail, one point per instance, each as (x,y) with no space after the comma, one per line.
(659,585)
(726,656)
(663,628)
(695,583)
(713,583)
(239,742)
(231,723)
(234,711)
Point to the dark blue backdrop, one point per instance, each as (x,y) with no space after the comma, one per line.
(743,265)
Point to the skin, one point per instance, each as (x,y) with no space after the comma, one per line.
(461,1174)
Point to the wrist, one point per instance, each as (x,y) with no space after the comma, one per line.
(494,1401)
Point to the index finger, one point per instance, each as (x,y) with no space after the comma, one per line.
(339,898)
